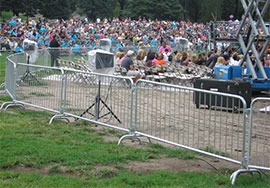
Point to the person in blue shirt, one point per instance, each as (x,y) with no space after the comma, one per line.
(19,47)
(40,42)
(76,49)
(74,36)
(13,22)
(64,43)
(42,29)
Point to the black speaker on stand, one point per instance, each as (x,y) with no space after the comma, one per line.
(97,105)
(27,76)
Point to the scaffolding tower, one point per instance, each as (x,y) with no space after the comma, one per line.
(255,41)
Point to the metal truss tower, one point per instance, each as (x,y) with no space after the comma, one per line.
(256,39)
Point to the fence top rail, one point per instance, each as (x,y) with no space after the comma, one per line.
(196,90)
(62,69)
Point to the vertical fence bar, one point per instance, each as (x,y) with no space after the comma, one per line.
(259,134)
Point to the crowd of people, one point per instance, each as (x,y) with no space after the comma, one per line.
(162,36)
(87,33)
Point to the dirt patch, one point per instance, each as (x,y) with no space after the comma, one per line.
(173,165)
(179,165)
(44,171)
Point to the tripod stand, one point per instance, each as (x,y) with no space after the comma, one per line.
(96,104)
(28,75)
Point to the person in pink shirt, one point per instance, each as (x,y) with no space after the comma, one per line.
(164,47)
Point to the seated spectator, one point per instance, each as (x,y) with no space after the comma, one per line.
(201,59)
(212,59)
(194,59)
(19,47)
(227,59)
(160,59)
(5,45)
(128,64)
(164,47)
(123,55)
(119,56)
(234,59)
(177,58)
(76,49)
(267,59)
(149,59)
(41,43)
(185,59)
(142,55)
(220,61)
(155,59)
(166,55)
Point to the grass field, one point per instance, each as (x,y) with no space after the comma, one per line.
(34,153)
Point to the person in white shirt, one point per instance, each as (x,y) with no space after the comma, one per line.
(166,55)
(234,61)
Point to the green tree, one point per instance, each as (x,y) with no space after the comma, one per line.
(231,7)
(55,8)
(29,7)
(73,5)
(96,8)
(210,10)
(154,9)
(122,4)
(15,6)
(191,9)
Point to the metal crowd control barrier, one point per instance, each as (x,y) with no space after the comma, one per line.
(10,76)
(259,134)
(258,150)
(207,122)
(100,99)
(168,113)
(94,97)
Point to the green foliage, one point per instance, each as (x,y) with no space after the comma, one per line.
(97,9)
(55,9)
(28,7)
(211,10)
(6,15)
(194,10)
(163,10)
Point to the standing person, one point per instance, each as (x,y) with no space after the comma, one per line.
(54,44)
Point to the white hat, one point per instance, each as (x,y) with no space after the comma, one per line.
(130,52)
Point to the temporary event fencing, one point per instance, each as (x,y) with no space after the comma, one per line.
(173,114)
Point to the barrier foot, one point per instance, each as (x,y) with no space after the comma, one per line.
(132,137)
(2,86)
(241,171)
(61,116)
(6,105)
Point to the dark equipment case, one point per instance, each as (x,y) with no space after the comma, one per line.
(235,87)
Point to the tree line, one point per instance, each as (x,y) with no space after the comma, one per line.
(193,10)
